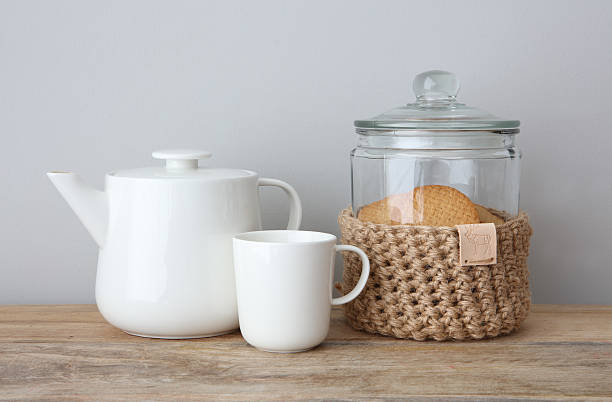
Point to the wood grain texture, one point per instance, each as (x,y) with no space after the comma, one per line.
(70,352)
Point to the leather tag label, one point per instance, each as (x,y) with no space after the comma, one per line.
(477,244)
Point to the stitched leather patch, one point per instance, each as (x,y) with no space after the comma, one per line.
(477,244)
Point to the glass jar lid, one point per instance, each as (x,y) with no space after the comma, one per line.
(436,108)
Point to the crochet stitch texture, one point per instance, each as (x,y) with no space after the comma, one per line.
(418,290)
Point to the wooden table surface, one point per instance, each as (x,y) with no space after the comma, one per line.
(69,351)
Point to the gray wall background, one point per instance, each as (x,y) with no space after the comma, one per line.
(274,86)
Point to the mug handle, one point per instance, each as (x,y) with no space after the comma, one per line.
(365,273)
(295,208)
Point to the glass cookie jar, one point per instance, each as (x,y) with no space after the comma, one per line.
(419,172)
(433,142)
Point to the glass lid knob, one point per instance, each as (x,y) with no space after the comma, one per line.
(435,88)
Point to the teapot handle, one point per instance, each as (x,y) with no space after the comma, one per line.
(295,208)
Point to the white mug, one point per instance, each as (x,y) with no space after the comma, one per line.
(284,287)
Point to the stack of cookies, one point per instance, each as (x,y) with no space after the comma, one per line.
(431,205)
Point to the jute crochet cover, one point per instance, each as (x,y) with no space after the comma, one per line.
(418,290)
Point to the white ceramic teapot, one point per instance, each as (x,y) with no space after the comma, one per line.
(165,266)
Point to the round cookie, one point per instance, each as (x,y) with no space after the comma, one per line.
(388,211)
(431,205)
(377,212)
(440,206)
(487,216)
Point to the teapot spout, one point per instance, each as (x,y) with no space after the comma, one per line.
(89,204)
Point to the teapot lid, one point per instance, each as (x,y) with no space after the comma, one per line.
(182,164)
(436,108)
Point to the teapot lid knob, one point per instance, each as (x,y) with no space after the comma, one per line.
(180,159)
